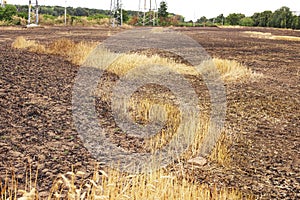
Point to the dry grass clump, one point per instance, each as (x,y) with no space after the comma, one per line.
(111,184)
(77,53)
(229,70)
(10,188)
(33,46)
(115,185)
(146,110)
(232,71)
(284,37)
(221,152)
(127,62)
(73,52)
(257,34)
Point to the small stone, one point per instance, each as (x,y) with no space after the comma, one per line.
(16,154)
(198,161)
(44,194)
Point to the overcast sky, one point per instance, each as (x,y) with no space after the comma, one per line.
(190,9)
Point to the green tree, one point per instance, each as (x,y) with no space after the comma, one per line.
(282,18)
(296,22)
(22,15)
(202,20)
(234,18)
(59,11)
(265,18)
(163,10)
(125,16)
(256,18)
(220,19)
(8,12)
(81,12)
(1,12)
(262,19)
(246,21)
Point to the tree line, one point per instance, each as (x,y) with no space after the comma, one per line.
(280,18)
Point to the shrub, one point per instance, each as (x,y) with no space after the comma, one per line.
(97,16)
(7,12)
(16,20)
(246,21)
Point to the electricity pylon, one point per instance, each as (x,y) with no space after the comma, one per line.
(3,3)
(148,12)
(116,13)
(36,9)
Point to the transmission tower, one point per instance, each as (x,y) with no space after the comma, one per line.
(116,13)
(33,7)
(3,3)
(148,12)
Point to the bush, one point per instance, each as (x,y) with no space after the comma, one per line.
(7,12)
(18,21)
(22,15)
(45,19)
(246,21)
(97,16)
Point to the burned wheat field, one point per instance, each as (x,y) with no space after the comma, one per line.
(257,155)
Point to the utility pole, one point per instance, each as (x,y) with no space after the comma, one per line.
(36,12)
(65,12)
(121,14)
(29,12)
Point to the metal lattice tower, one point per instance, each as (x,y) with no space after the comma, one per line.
(148,12)
(3,3)
(116,12)
(33,9)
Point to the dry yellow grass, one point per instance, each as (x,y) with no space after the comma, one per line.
(257,34)
(221,152)
(112,185)
(158,185)
(77,53)
(229,70)
(127,62)
(73,52)
(33,46)
(233,71)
